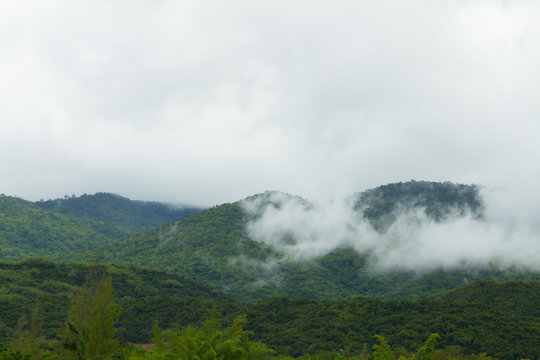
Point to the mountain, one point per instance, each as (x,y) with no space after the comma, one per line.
(61,228)
(217,247)
(213,247)
(437,200)
(29,230)
(209,246)
(134,216)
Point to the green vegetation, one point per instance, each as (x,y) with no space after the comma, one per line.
(438,200)
(134,216)
(63,228)
(28,230)
(265,306)
(143,295)
(212,248)
(501,319)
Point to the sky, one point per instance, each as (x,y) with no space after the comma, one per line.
(206,102)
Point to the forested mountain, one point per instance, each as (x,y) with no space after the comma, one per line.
(135,216)
(210,247)
(28,230)
(381,205)
(209,263)
(213,248)
(58,228)
(501,319)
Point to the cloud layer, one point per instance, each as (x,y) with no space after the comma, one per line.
(206,102)
(414,241)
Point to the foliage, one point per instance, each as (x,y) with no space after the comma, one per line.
(208,342)
(438,200)
(500,319)
(212,248)
(63,228)
(134,216)
(28,230)
(144,296)
(90,326)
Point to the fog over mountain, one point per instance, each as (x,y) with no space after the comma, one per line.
(414,241)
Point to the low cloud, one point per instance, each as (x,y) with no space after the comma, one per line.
(414,241)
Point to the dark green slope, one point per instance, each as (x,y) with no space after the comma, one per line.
(501,319)
(382,205)
(212,247)
(135,216)
(28,230)
(209,246)
(143,295)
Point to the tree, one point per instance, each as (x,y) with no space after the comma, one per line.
(426,351)
(90,326)
(27,337)
(382,350)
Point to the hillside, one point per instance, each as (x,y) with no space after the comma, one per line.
(213,247)
(209,247)
(135,216)
(60,228)
(143,295)
(28,230)
(383,204)
(501,319)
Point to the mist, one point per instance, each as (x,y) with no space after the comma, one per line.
(506,235)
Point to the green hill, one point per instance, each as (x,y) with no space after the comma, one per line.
(61,228)
(143,295)
(28,230)
(135,216)
(501,319)
(213,248)
(438,200)
(209,246)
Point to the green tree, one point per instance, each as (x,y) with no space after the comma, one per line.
(426,351)
(382,350)
(90,326)
(27,337)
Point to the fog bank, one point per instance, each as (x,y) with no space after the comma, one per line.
(507,235)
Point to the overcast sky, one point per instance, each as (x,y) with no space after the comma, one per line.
(205,102)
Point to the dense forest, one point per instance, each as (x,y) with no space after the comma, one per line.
(499,318)
(135,216)
(196,285)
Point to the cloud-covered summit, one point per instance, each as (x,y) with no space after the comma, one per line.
(416,226)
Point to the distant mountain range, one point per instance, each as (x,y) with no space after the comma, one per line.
(57,228)
(213,246)
(135,216)
(183,265)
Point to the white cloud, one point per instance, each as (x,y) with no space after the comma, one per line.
(206,102)
(414,241)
